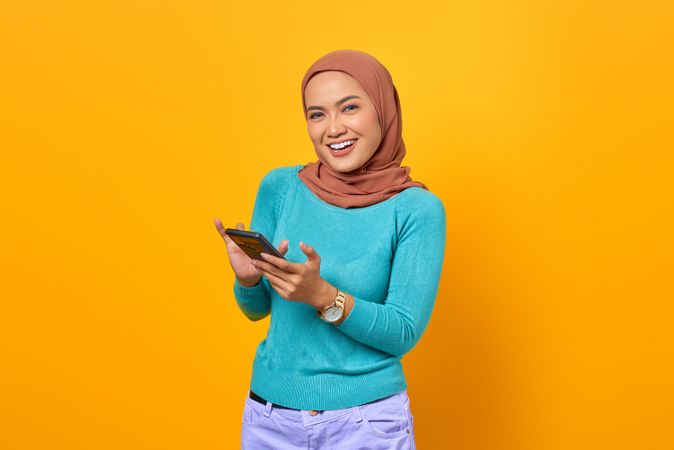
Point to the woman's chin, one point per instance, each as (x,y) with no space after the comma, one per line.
(344,166)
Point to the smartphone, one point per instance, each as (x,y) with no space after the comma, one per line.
(252,243)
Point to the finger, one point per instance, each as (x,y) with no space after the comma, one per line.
(222,231)
(312,256)
(283,248)
(277,282)
(270,268)
(238,226)
(278,289)
(281,263)
(219,226)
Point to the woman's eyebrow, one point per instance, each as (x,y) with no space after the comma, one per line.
(337,103)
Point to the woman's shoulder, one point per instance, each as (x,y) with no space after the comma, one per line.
(418,213)
(419,202)
(280,175)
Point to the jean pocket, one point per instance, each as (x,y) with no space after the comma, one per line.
(387,417)
(248,411)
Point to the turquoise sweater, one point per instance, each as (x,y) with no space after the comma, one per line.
(388,256)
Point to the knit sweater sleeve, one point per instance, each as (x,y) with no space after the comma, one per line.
(255,301)
(395,324)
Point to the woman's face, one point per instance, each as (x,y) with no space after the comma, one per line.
(339,110)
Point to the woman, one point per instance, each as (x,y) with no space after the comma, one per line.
(328,374)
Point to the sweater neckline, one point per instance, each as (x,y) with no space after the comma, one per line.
(319,201)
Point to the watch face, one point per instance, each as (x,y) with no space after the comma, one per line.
(333,314)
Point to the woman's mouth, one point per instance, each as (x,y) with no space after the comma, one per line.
(344,150)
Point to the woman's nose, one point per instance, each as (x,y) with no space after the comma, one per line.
(335,127)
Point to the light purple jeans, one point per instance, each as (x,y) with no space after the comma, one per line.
(385,424)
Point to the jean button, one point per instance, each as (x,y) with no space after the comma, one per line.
(313,412)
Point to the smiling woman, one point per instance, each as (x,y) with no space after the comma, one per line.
(347,307)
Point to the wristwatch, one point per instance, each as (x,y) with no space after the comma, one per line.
(333,312)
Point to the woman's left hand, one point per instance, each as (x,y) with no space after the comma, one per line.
(301,282)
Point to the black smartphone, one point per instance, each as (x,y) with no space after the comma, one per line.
(252,243)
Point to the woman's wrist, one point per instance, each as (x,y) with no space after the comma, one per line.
(248,283)
(327,297)
(348,306)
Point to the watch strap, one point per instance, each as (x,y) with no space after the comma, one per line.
(339,301)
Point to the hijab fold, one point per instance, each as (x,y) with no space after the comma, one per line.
(382,176)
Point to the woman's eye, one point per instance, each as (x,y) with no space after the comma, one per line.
(314,115)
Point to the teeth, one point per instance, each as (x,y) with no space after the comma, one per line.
(342,145)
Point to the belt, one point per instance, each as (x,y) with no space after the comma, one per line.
(259,399)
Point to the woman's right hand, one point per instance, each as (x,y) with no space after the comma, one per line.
(247,274)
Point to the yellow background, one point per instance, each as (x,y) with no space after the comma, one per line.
(546,128)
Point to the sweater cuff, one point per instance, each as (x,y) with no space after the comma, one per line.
(247,294)
(359,322)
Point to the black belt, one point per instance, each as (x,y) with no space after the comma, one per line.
(259,399)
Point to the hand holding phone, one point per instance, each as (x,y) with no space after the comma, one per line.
(240,260)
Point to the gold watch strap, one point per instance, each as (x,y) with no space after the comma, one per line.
(339,300)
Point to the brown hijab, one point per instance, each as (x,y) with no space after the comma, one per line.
(381,176)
